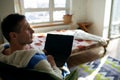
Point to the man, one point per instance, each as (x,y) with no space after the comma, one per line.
(19,52)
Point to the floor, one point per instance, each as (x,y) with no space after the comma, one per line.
(113,48)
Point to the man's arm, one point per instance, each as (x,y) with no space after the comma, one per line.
(42,63)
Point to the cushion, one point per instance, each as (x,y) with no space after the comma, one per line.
(9,72)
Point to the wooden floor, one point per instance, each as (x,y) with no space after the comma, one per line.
(113,48)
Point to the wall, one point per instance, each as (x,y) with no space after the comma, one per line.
(46,29)
(90,11)
(107,18)
(6,7)
(1,38)
(78,11)
(95,14)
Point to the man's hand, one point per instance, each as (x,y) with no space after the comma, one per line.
(46,53)
(51,60)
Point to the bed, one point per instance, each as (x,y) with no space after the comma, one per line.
(86,47)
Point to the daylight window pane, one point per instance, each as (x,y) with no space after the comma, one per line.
(58,15)
(60,3)
(116,11)
(115,27)
(36,4)
(36,17)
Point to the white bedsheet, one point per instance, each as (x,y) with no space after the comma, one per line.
(80,34)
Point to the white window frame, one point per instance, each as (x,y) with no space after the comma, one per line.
(51,9)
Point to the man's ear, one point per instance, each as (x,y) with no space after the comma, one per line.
(12,35)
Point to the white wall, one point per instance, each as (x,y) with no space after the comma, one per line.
(95,14)
(6,7)
(1,38)
(107,18)
(46,29)
(89,11)
(78,11)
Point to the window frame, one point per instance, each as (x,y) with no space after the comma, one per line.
(51,9)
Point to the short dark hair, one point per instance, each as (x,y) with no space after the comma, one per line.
(10,24)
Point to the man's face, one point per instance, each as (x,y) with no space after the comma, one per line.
(25,34)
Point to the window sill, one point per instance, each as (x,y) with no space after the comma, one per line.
(47,25)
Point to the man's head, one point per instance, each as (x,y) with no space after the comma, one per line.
(15,26)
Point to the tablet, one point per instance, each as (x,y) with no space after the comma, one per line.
(59,46)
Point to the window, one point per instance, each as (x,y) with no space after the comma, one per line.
(44,11)
(112,19)
(115,20)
